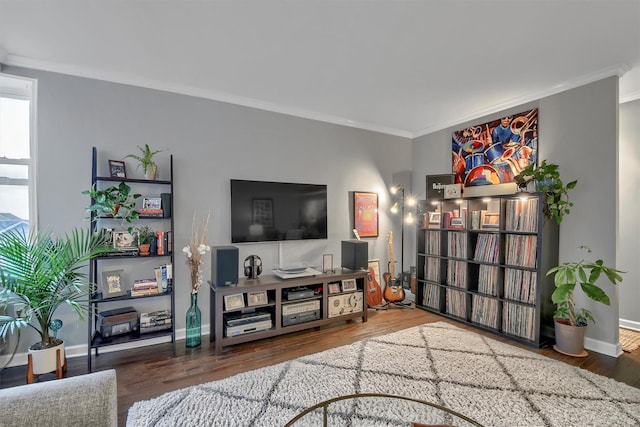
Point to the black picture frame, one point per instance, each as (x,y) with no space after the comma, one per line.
(117,169)
(113,284)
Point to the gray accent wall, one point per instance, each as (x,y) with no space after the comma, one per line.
(577,131)
(629,207)
(211,142)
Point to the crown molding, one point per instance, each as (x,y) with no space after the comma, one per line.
(19,61)
(618,70)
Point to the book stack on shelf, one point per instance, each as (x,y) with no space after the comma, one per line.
(151,212)
(144,287)
(155,321)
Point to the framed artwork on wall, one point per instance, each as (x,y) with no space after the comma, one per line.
(495,152)
(365,213)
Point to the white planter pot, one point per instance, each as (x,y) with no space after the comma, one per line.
(44,361)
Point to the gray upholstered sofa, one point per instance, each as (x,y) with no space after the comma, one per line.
(85,400)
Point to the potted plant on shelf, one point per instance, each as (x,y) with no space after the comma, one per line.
(115,201)
(570,323)
(146,161)
(547,180)
(145,238)
(40,272)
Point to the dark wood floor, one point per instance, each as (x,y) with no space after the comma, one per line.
(147,372)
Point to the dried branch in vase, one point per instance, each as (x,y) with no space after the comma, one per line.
(195,250)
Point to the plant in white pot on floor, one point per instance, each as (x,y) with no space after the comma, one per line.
(40,272)
(571,322)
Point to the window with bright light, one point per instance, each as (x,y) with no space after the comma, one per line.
(17,198)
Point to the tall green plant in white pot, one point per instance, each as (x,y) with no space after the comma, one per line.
(571,322)
(40,272)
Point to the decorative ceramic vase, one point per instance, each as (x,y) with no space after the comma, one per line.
(194,323)
(150,174)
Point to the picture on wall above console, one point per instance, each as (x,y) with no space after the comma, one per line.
(496,151)
(365,213)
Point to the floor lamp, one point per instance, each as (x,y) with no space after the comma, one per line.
(409,218)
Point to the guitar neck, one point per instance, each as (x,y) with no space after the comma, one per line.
(392,263)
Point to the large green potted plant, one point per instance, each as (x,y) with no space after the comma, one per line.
(571,322)
(145,160)
(116,201)
(546,179)
(40,271)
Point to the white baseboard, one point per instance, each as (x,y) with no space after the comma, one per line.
(606,348)
(20,359)
(629,324)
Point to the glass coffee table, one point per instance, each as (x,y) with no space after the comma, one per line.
(372,409)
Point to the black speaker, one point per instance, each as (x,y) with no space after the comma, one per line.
(355,254)
(224,265)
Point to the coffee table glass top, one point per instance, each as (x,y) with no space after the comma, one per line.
(372,409)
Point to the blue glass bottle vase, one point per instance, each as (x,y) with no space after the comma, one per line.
(194,323)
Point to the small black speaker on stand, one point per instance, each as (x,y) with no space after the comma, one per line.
(224,265)
(355,254)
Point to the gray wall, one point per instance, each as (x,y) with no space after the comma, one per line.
(578,131)
(629,206)
(211,142)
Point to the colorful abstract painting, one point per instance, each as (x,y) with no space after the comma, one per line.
(495,152)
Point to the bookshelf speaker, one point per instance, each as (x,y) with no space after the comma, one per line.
(224,265)
(355,254)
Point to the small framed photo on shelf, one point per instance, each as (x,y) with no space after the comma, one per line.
(233,302)
(434,219)
(124,241)
(334,288)
(489,221)
(113,284)
(349,285)
(327,263)
(117,169)
(257,298)
(152,203)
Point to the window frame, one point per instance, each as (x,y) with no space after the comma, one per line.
(26,90)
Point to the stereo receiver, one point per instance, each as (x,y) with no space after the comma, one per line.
(117,321)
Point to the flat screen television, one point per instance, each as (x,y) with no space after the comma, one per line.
(263,211)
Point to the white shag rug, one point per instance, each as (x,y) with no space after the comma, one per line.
(491,382)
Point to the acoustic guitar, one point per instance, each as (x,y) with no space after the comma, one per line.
(374,291)
(392,291)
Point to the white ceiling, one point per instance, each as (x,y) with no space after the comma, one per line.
(400,67)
